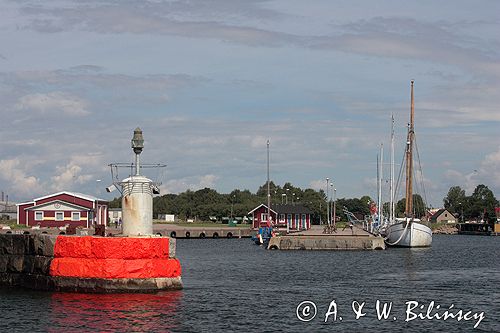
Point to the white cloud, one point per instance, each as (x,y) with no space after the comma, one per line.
(67,176)
(80,170)
(26,177)
(56,102)
(13,171)
(489,171)
(259,141)
(189,183)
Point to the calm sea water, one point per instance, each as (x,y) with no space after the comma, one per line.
(235,286)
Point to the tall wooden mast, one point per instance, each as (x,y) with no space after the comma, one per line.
(268,188)
(409,160)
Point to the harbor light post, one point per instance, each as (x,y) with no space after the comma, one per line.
(286,196)
(283,195)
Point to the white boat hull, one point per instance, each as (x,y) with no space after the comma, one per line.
(414,235)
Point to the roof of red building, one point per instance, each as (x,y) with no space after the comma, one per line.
(63,203)
(286,209)
(74,194)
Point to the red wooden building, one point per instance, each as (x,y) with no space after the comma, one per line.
(63,208)
(298,217)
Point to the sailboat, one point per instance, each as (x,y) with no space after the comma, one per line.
(409,232)
(265,233)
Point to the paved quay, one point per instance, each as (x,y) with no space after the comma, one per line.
(315,239)
(317,230)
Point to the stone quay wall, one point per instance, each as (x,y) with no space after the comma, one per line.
(326,242)
(89,264)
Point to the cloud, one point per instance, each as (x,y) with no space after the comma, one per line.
(319,184)
(80,91)
(54,103)
(68,176)
(146,18)
(391,37)
(87,77)
(408,38)
(488,173)
(259,141)
(189,183)
(14,172)
(28,176)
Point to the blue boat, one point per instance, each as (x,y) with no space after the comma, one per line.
(263,236)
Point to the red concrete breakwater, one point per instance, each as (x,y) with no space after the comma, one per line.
(89,264)
(113,258)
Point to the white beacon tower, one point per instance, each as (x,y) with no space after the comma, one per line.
(137,196)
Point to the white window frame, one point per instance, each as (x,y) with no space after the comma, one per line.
(282,217)
(38,219)
(57,219)
(263,217)
(76,219)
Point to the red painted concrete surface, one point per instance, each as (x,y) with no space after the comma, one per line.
(111,258)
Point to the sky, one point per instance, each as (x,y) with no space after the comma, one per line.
(209,82)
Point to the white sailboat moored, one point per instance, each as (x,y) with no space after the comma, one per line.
(408,232)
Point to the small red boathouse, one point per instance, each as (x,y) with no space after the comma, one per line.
(297,217)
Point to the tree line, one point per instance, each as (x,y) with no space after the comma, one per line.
(480,205)
(206,204)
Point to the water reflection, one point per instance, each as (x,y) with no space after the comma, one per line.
(413,259)
(114,312)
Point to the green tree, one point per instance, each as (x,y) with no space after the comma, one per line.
(419,207)
(115,203)
(455,201)
(482,203)
(354,205)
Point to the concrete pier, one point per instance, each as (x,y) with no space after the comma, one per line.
(176,231)
(315,239)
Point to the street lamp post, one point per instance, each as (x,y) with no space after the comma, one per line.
(331,203)
(462,207)
(283,195)
(320,222)
(328,201)
(334,208)
(97,184)
(232,202)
